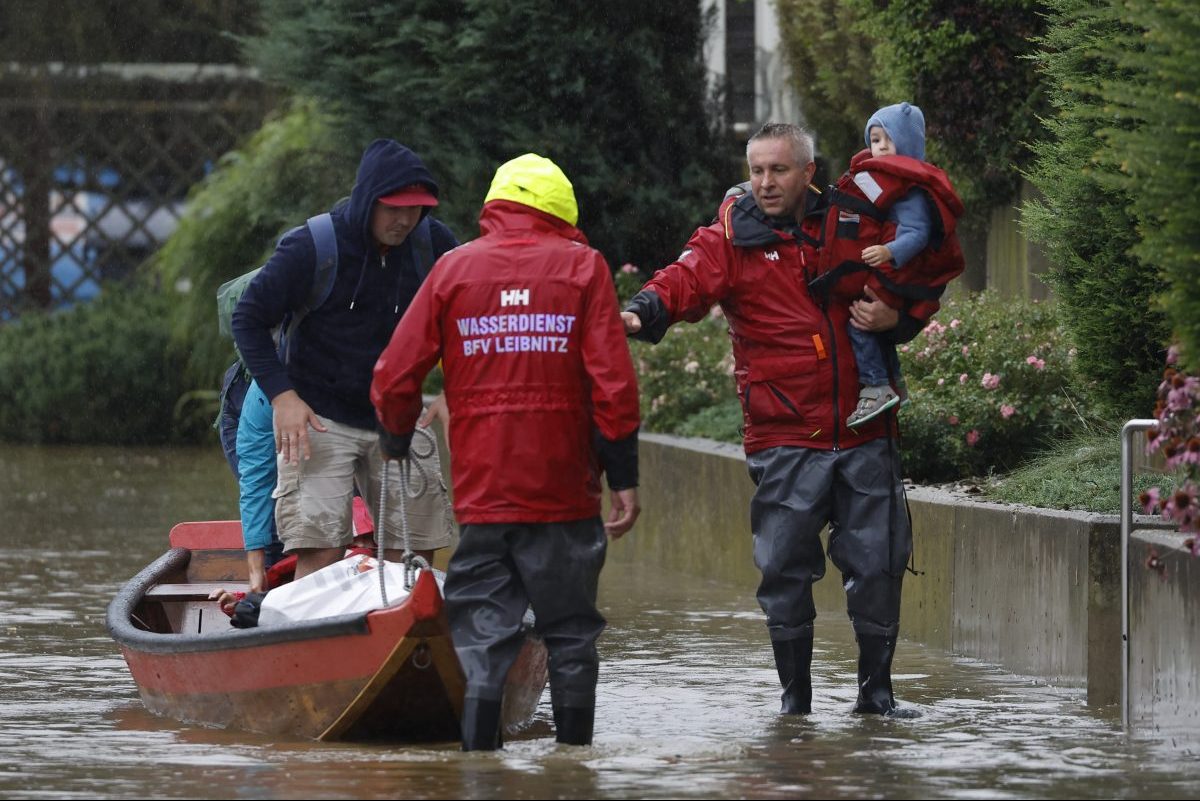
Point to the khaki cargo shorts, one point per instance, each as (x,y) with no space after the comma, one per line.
(313,498)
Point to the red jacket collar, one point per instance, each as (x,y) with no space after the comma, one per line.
(510,217)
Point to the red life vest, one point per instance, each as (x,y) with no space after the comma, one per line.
(857,218)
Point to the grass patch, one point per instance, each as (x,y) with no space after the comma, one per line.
(1082,473)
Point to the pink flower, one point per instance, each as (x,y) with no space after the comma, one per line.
(972,437)
(1173,354)
(990,381)
(1007,411)
(1185,453)
(952,419)
(1038,364)
(1179,400)
(955,323)
(1181,508)
(966,351)
(934,328)
(962,379)
(1149,500)
(941,381)
(628,268)
(1191,453)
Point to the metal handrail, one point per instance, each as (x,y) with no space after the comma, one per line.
(1127,432)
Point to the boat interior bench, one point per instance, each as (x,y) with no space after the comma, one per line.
(194,591)
(185,608)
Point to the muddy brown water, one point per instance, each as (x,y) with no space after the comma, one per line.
(687,693)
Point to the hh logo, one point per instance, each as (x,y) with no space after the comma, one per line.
(772,255)
(514,297)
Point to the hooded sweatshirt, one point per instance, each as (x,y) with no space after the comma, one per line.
(905,125)
(334,349)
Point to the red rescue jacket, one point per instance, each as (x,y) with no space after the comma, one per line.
(793,364)
(857,217)
(526,324)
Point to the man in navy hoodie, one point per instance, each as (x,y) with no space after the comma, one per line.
(325,428)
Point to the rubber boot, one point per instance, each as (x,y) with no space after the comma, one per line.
(573,724)
(480,725)
(793,662)
(875,654)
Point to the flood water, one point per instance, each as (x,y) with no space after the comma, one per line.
(687,694)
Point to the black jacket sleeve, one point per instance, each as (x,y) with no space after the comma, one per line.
(619,458)
(905,330)
(649,308)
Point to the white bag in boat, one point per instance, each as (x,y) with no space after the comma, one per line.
(346,587)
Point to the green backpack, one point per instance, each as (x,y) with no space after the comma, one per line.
(237,378)
(325,270)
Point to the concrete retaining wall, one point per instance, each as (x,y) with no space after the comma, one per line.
(1035,591)
(1164,634)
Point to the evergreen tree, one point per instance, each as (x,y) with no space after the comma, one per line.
(833,72)
(36,31)
(1084,221)
(614,92)
(1152,105)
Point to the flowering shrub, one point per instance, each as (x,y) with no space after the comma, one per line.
(1177,436)
(686,381)
(628,279)
(988,380)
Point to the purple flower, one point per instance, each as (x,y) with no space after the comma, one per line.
(1179,400)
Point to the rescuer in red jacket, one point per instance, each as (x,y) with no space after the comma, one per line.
(796,378)
(542,398)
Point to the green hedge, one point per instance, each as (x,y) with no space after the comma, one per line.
(1152,105)
(103,372)
(1086,224)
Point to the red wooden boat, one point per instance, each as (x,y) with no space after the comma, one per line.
(389,674)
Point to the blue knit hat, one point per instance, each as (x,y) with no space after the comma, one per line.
(905,125)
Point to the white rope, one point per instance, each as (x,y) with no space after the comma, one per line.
(383,491)
(423,447)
